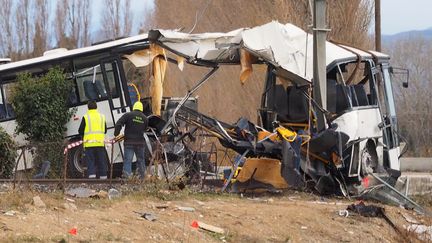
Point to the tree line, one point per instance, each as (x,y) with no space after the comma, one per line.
(30,27)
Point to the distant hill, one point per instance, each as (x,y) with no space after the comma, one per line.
(427,33)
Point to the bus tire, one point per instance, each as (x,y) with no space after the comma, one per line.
(76,164)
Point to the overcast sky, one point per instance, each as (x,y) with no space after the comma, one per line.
(403,15)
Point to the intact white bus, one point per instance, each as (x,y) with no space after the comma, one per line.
(98,73)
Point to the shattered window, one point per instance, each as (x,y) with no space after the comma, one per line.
(139,76)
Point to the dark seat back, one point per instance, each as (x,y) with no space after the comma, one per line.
(331,95)
(342,99)
(2,111)
(90,90)
(298,105)
(278,101)
(362,97)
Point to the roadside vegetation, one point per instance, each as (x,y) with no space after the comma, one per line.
(40,105)
(8,154)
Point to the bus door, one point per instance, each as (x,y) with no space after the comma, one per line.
(390,126)
(119,100)
(113,76)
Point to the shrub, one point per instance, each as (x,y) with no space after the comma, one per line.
(41,110)
(8,154)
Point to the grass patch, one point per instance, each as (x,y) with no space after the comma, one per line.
(15,199)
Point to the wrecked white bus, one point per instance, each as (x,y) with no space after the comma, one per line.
(360,138)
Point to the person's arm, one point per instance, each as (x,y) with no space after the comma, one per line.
(119,124)
(82,127)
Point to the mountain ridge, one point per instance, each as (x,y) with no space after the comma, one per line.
(426,33)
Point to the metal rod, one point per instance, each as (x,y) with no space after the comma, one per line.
(236,165)
(186,97)
(111,163)
(399,193)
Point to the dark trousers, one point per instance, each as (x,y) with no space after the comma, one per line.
(96,157)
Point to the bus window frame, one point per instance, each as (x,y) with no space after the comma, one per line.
(103,56)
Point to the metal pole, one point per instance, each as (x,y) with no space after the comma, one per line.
(420,209)
(319,59)
(111,163)
(378,25)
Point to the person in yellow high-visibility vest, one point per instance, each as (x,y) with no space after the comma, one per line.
(93,128)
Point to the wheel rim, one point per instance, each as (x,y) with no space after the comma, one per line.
(78,161)
(369,164)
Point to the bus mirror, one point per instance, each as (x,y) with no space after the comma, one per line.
(403,71)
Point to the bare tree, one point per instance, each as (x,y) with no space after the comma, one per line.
(72,23)
(117,19)
(6,28)
(414,109)
(60,23)
(24,28)
(40,40)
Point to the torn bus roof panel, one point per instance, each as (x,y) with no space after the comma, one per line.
(205,46)
(289,47)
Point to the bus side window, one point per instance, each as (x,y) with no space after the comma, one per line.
(6,109)
(90,84)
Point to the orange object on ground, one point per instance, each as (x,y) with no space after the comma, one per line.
(195,224)
(267,171)
(73,231)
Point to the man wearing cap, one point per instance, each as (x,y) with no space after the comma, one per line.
(135,123)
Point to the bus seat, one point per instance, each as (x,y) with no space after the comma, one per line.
(10,111)
(279,102)
(2,111)
(342,99)
(362,97)
(298,105)
(331,95)
(100,88)
(90,90)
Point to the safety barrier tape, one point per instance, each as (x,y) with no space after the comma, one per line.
(78,143)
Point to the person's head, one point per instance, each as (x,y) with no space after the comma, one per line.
(92,105)
(138,106)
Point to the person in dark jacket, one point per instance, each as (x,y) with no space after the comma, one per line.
(135,123)
(92,129)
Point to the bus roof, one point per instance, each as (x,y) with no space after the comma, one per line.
(285,46)
(74,52)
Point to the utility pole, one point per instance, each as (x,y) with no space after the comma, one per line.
(319,59)
(378,25)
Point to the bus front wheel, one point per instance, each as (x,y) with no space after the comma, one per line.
(76,163)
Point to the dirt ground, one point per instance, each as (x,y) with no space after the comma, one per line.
(286,217)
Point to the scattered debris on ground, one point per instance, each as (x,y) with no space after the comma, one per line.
(214,218)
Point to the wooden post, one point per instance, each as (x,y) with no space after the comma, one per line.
(65,162)
(16,168)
